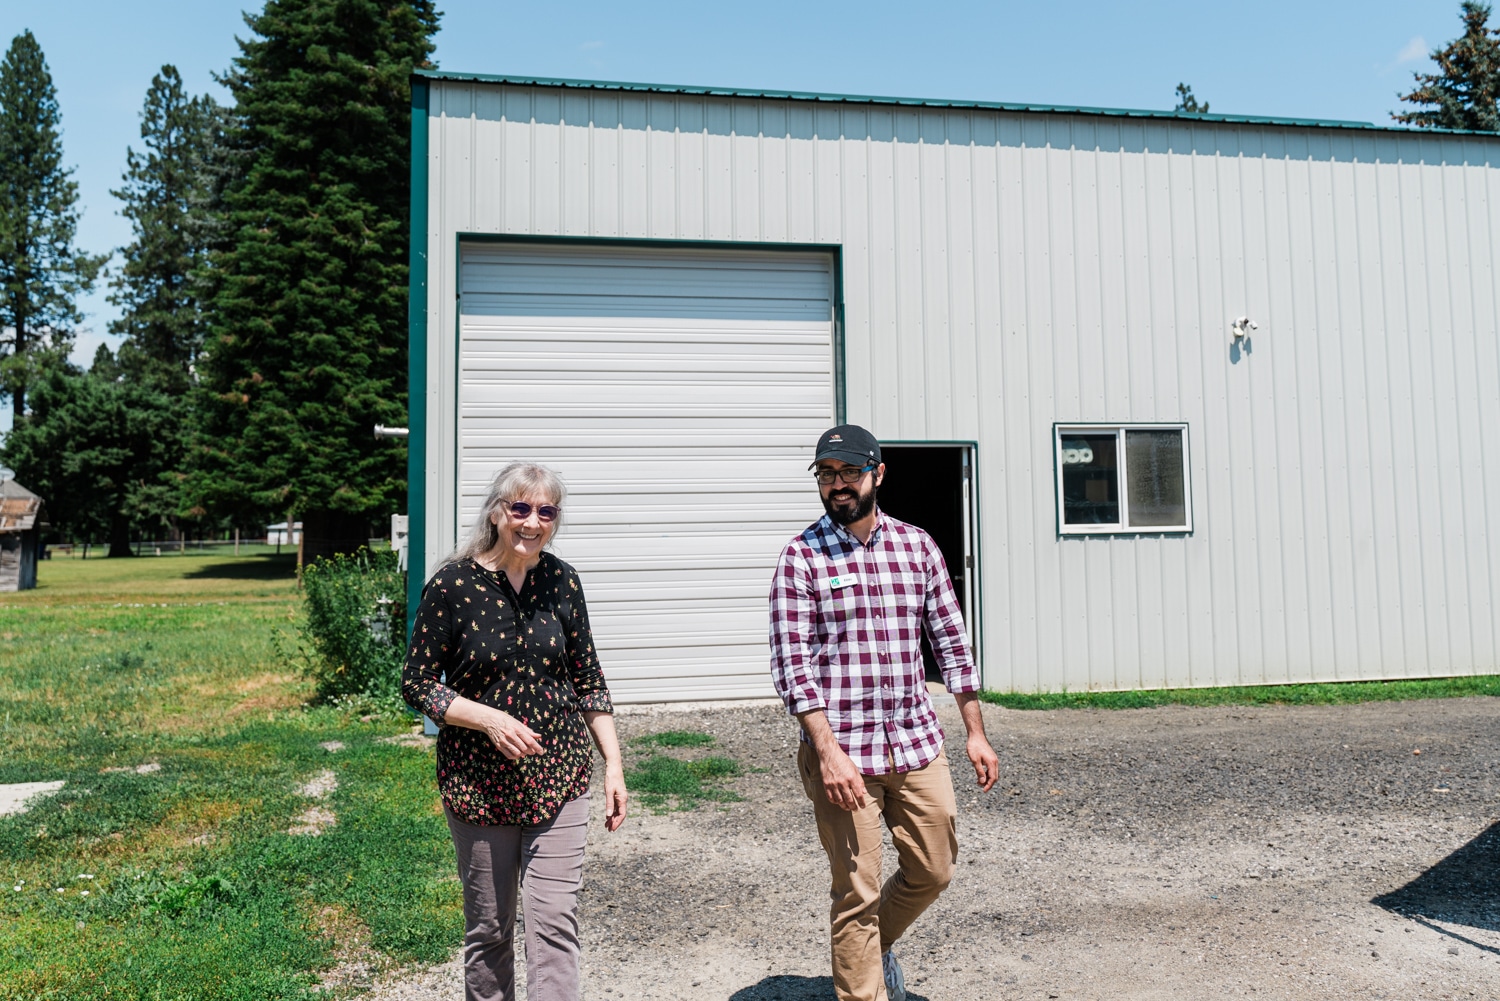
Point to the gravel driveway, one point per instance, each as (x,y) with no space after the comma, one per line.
(1284,852)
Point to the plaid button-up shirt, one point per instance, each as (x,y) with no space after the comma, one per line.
(846,637)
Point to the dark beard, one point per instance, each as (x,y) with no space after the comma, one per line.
(848,516)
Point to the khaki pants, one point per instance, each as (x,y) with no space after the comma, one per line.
(865,917)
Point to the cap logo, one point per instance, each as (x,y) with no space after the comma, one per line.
(834,437)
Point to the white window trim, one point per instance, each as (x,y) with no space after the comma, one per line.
(1118,430)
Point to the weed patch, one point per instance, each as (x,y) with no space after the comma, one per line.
(356,618)
(675,738)
(665,782)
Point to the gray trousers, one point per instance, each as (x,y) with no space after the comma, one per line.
(547,862)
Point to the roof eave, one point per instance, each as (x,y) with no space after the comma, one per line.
(1022,108)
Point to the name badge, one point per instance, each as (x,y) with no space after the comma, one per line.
(842,581)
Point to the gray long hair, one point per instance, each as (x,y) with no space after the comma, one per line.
(516,481)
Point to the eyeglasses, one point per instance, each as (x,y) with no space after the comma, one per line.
(522,510)
(848,474)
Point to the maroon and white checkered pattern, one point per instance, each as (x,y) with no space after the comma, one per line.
(846,637)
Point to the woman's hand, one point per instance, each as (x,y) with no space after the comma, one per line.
(513,738)
(615,796)
(510,736)
(602,726)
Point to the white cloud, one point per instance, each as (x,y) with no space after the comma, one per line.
(87,341)
(587,46)
(1413,50)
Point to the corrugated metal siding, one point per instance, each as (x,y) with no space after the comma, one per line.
(1005,271)
(676,393)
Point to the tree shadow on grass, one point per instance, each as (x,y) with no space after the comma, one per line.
(791,988)
(266,567)
(1462,889)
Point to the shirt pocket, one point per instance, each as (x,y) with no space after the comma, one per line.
(910,589)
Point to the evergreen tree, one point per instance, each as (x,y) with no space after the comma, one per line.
(306,345)
(167,187)
(1465,91)
(96,446)
(41,272)
(1188,103)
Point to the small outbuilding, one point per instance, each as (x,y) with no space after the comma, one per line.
(22,518)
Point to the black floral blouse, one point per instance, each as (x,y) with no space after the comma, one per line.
(530,655)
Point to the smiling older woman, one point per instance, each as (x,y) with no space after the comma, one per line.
(502,658)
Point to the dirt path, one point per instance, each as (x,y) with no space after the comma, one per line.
(1163,853)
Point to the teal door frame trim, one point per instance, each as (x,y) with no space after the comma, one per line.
(416,359)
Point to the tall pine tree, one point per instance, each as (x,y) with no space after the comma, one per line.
(306,345)
(41,272)
(1465,91)
(166,189)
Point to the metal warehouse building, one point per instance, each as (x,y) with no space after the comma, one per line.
(666,293)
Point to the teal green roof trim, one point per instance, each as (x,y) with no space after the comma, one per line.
(918,102)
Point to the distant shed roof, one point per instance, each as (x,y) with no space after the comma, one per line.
(922,102)
(20,509)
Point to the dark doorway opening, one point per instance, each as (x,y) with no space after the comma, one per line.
(927,485)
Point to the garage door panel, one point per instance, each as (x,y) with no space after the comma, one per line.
(709,475)
(677,393)
(532,282)
(540,333)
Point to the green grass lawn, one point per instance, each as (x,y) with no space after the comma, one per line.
(164,692)
(1315,694)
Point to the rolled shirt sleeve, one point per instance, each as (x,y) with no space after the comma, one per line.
(794,671)
(944,623)
(584,670)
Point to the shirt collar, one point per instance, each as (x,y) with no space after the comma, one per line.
(851,539)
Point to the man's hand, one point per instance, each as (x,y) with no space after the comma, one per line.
(842,782)
(986,762)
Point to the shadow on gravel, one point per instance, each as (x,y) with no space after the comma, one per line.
(1462,889)
(790,988)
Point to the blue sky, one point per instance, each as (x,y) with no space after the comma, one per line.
(1305,59)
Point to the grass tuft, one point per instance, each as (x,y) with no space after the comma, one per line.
(1311,694)
(667,783)
(675,738)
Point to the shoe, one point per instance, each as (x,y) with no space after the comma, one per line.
(895,981)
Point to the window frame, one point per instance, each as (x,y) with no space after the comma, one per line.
(1118,430)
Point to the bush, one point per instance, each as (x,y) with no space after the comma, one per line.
(356,623)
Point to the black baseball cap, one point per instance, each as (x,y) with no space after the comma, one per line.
(848,443)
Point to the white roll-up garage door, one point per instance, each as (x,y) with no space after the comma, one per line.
(679,393)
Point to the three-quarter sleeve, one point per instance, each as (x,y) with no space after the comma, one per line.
(427,657)
(583,663)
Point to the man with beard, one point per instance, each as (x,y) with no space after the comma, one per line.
(850,600)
